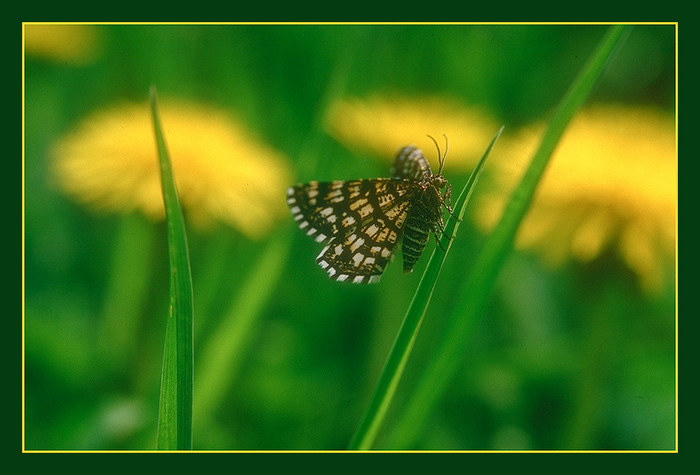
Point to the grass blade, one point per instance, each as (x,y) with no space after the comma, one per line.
(220,357)
(396,362)
(470,303)
(175,411)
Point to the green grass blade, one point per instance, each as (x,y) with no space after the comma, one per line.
(175,411)
(221,355)
(469,305)
(396,362)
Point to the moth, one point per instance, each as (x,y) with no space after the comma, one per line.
(361,221)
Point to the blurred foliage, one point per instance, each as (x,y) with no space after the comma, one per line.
(579,355)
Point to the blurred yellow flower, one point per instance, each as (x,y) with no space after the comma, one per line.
(612,181)
(383,124)
(77,44)
(221,172)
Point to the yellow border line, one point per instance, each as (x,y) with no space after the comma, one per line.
(26,23)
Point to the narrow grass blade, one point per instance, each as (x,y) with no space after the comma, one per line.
(396,362)
(124,296)
(470,303)
(221,355)
(175,411)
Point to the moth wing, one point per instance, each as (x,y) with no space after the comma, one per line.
(360,221)
(362,252)
(410,164)
(315,207)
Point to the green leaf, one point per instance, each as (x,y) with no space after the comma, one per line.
(396,362)
(470,303)
(175,411)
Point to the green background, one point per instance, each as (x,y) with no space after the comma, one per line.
(574,358)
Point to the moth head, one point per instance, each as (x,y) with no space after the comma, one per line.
(439,181)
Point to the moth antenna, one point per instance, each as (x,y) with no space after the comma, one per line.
(447,147)
(440,157)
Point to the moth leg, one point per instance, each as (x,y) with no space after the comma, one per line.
(438,232)
(447,202)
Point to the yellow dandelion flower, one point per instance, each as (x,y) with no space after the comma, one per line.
(382,124)
(76,44)
(221,172)
(611,182)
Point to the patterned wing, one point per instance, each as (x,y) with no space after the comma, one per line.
(315,206)
(359,220)
(410,164)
